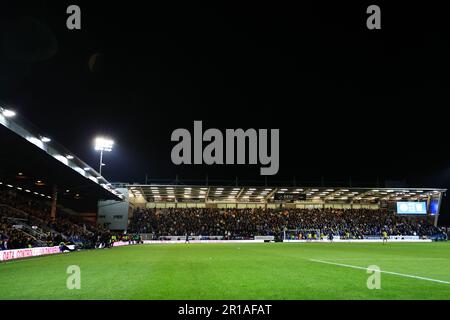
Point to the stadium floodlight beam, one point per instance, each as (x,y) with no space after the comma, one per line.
(103,144)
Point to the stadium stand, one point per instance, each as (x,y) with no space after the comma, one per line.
(36,207)
(67,189)
(247,223)
(25,222)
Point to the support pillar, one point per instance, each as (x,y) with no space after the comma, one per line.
(436,217)
(54,202)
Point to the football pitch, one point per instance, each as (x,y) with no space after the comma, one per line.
(236,271)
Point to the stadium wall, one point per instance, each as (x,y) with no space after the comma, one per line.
(114,214)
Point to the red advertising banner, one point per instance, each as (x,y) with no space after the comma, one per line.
(6,255)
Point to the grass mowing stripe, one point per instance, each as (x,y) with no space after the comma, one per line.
(388,272)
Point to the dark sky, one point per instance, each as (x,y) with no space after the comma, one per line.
(348,101)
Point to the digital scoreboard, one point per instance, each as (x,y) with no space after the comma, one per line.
(289,197)
(413,208)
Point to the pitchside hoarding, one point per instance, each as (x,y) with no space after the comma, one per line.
(6,255)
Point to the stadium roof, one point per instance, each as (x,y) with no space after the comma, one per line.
(33,162)
(261,193)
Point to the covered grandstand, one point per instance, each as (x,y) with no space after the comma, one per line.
(34,163)
(48,195)
(266,197)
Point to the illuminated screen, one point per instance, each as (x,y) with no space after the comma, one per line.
(434,206)
(411,208)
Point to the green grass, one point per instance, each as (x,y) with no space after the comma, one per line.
(234,271)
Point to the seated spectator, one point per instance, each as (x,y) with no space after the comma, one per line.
(246,223)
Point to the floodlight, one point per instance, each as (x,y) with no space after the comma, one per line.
(8,113)
(103,144)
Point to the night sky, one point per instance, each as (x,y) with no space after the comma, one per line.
(348,101)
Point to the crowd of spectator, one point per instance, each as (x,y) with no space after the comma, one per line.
(25,222)
(11,237)
(246,223)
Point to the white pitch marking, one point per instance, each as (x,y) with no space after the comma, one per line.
(388,272)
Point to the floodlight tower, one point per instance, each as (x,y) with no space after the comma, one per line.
(103,144)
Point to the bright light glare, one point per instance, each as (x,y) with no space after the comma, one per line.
(38,143)
(103,144)
(8,113)
(45,139)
